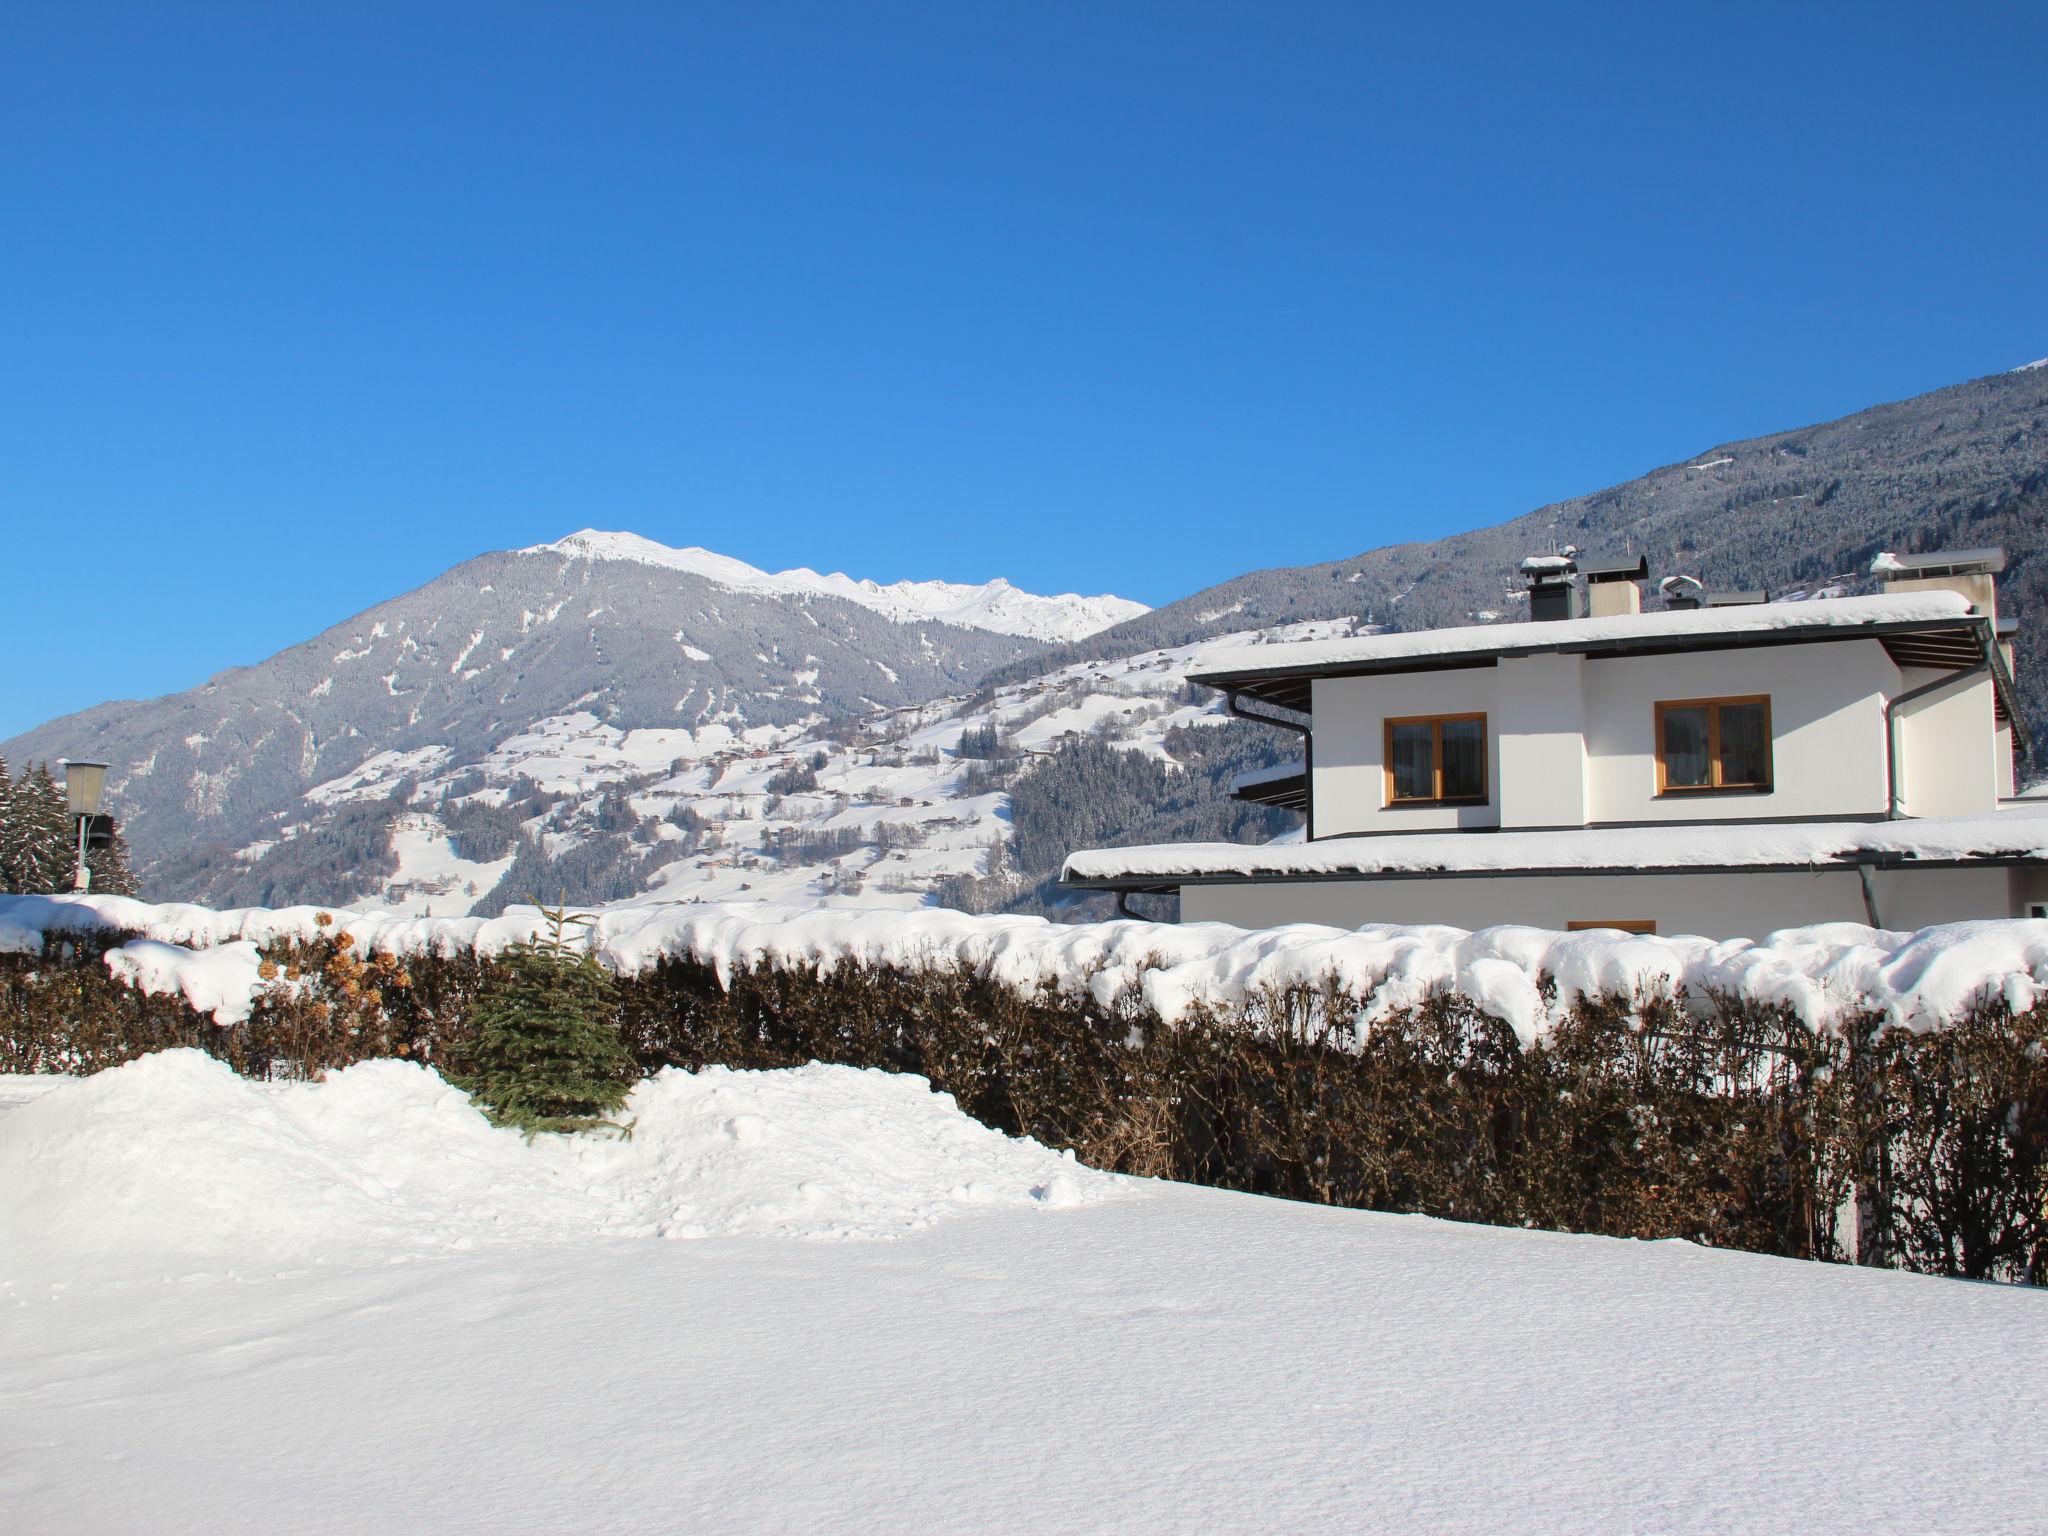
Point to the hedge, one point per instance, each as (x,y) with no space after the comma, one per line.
(1716,1119)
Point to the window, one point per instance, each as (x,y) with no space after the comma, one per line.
(1619,924)
(1436,760)
(1710,744)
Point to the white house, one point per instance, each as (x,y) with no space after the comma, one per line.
(1725,769)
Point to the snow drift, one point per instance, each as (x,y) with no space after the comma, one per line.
(173,1165)
(1826,973)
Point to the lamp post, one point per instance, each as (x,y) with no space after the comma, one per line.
(84,783)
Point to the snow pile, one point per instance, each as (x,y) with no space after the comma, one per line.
(173,1165)
(1826,973)
(220,981)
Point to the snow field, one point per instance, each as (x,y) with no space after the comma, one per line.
(1192,1361)
(172,1165)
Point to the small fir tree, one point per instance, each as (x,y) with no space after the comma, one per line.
(548,1052)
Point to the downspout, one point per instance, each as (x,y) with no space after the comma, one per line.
(1985,641)
(1863,874)
(1233,702)
(1124,909)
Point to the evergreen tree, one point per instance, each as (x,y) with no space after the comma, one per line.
(7,856)
(43,839)
(548,1052)
(111,874)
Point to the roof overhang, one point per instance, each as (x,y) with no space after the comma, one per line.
(1151,884)
(1289,793)
(1949,644)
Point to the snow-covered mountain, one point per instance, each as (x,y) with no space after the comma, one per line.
(894,808)
(685,647)
(995,606)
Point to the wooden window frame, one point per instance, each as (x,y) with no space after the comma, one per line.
(1713,707)
(1436,756)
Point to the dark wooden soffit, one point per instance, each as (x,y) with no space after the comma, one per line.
(1289,794)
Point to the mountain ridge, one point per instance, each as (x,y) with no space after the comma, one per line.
(996,605)
(481,652)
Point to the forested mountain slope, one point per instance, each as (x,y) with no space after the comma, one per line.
(443,674)
(1966,465)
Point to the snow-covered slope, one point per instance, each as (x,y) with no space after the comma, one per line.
(890,805)
(450,670)
(994,605)
(1024,1356)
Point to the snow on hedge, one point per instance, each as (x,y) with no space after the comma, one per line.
(172,1164)
(1825,973)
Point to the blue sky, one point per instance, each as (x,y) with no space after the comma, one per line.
(306,303)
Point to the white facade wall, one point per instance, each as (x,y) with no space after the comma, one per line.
(1827,730)
(1948,749)
(1572,741)
(1349,747)
(1719,906)
(1539,717)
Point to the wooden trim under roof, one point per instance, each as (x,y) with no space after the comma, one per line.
(1289,794)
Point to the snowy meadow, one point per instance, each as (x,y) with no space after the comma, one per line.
(824,1299)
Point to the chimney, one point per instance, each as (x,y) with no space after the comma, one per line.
(1614,587)
(1551,593)
(1681,593)
(1972,572)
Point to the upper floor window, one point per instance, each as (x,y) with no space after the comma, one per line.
(1708,744)
(1436,760)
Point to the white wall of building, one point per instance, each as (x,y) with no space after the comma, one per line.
(1539,715)
(1349,776)
(1720,906)
(1827,730)
(1948,749)
(1572,741)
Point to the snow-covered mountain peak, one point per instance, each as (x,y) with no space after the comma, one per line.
(997,606)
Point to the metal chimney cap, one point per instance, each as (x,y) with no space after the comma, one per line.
(1637,569)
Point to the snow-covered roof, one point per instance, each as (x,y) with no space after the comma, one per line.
(2019,834)
(1827,617)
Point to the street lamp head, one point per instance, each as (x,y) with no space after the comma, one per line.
(84,783)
